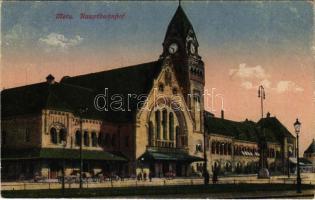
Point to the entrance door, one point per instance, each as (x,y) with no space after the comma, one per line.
(179,169)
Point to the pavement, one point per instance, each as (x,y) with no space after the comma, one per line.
(306,194)
(306,179)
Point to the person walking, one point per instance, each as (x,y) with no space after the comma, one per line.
(150,176)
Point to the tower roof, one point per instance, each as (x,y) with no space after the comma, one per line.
(179,25)
(311,148)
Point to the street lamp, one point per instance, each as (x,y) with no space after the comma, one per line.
(81,112)
(64,144)
(297,127)
(205,168)
(262,96)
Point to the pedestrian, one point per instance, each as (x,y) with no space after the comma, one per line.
(150,176)
(144,176)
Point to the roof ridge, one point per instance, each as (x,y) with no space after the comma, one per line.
(24,86)
(114,69)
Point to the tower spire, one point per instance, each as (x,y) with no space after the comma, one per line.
(179,1)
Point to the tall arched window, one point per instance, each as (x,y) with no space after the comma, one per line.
(158,123)
(86,139)
(177,137)
(164,113)
(53,135)
(229,148)
(94,139)
(217,148)
(101,139)
(78,138)
(171,126)
(62,135)
(213,147)
(151,134)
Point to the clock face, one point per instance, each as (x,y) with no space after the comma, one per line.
(192,49)
(173,48)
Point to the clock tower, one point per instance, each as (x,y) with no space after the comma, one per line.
(180,43)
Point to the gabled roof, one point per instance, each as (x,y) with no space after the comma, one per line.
(275,129)
(32,99)
(248,130)
(245,130)
(311,148)
(133,80)
(73,93)
(27,99)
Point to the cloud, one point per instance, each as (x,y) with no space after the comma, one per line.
(245,72)
(284,86)
(18,36)
(247,85)
(253,77)
(59,41)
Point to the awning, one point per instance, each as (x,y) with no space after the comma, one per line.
(59,153)
(293,160)
(168,156)
(303,162)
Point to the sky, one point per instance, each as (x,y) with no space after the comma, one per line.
(243,44)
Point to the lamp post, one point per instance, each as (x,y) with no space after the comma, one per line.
(81,112)
(205,167)
(261,95)
(297,127)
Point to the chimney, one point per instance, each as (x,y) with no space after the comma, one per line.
(222,114)
(268,114)
(50,79)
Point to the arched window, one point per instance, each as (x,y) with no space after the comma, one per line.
(161,87)
(158,123)
(151,134)
(53,135)
(217,148)
(171,126)
(213,147)
(94,139)
(177,137)
(164,113)
(78,138)
(86,139)
(229,148)
(62,135)
(225,148)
